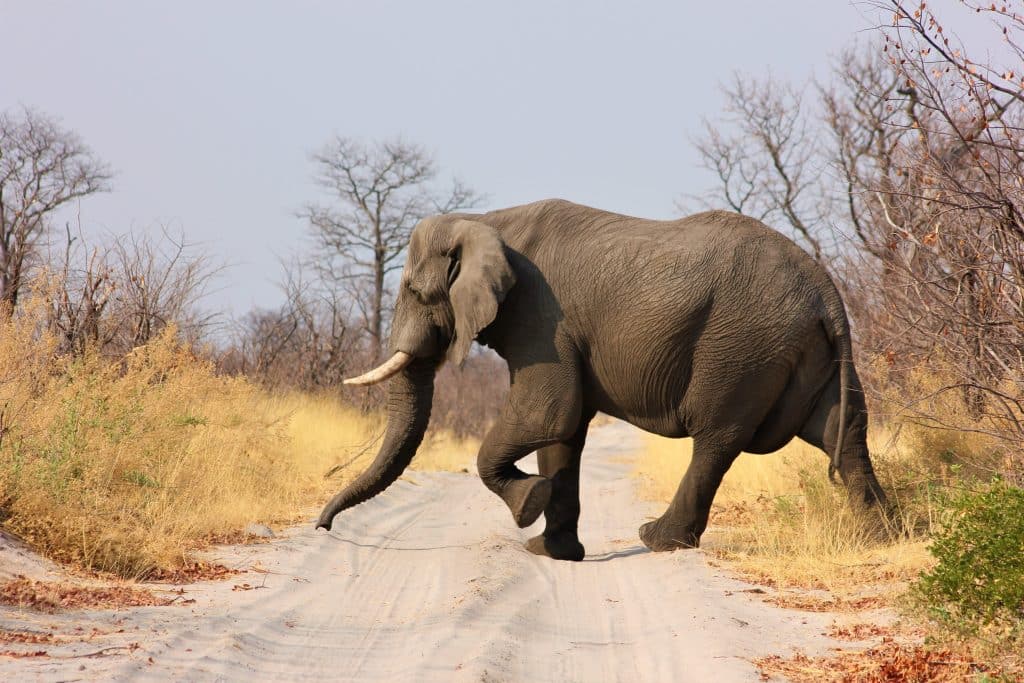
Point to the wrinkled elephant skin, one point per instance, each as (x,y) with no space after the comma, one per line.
(712,326)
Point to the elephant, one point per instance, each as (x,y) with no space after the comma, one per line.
(713,326)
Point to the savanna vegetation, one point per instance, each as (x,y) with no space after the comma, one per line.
(127,464)
(135,426)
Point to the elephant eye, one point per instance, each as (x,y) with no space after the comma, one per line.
(453,268)
(415,291)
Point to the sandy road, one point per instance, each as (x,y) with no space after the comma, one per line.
(429,582)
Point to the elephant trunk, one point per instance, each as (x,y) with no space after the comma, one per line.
(410,394)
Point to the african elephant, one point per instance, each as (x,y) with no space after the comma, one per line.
(713,326)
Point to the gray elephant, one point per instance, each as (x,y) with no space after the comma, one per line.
(712,326)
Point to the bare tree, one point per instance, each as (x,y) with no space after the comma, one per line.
(956,220)
(121,292)
(867,126)
(160,281)
(764,159)
(42,168)
(381,190)
(78,296)
(307,342)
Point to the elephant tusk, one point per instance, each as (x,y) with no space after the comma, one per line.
(383,371)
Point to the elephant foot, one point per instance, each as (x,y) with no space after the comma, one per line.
(564,546)
(660,537)
(527,499)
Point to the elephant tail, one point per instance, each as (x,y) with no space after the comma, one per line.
(839,331)
(845,350)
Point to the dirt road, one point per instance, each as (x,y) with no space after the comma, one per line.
(429,582)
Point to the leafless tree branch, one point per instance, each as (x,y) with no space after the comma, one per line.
(43,167)
(379,191)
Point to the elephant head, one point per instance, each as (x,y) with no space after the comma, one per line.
(456,274)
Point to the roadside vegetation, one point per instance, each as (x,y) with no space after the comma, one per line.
(127,465)
(135,425)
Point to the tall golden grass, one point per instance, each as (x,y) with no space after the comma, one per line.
(127,465)
(928,406)
(778,518)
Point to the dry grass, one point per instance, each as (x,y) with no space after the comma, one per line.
(333,436)
(126,466)
(443,451)
(777,518)
(928,409)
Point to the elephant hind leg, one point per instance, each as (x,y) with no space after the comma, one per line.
(822,429)
(560,463)
(683,523)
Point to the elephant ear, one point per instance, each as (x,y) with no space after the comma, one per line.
(484,277)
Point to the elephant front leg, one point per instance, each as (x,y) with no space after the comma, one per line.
(526,495)
(561,464)
(544,408)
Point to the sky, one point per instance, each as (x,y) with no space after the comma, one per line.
(208,111)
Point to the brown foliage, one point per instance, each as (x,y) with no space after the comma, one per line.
(831,603)
(192,571)
(22,655)
(858,631)
(50,596)
(939,214)
(27,637)
(468,400)
(885,663)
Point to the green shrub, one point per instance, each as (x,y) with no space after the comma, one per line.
(979,579)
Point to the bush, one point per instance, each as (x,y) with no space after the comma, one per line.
(468,400)
(979,579)
(126,465)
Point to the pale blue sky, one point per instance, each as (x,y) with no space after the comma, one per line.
(207,111)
